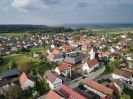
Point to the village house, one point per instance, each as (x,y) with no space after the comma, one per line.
(10,73)
(122,74)
(92,54)
(54,94)
(125,75)
(63,69)
(73,60)
(86,44)
(100,90)
(55,55)
(74,57)
(53,81)
(90,65)
(68,48)
(119,46)
(69,93)
(103,55)
(25,81)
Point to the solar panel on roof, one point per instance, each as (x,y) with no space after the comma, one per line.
(9,73)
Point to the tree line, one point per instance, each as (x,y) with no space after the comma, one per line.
(32,28)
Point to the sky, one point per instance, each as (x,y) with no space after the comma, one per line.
(56,12)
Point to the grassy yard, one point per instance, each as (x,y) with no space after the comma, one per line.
(17,58)
(37,49)
(22,59)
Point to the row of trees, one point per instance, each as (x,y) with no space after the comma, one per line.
(32,29)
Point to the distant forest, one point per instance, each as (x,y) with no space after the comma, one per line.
(32,28)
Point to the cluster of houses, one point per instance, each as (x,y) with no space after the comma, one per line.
(84,55)
(87,54)
(10,44)
(91,87)
(10,76)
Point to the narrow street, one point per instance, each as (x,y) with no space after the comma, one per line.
(91,76)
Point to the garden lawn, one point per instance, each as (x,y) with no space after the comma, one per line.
(37,49)
(18,59)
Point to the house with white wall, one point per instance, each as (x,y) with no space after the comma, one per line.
(92,54)
(55,55)
(90,65)
(53,81)
(101,90)
(122,74)
(64,69)
(25,81)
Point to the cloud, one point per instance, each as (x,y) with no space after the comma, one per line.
(28,4)
(67,4)
(104,3)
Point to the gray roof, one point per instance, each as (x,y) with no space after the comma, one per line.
(9,73)
(50,76)
(73,59)
(58,56)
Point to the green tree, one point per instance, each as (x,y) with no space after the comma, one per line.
(91,33)
(77,37)
(1,60)
(26,67)
(41,85)
(12,64)
(13,92)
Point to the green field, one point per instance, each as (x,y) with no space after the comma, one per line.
(112,31)
(14,34)
(37,49)
(95,30)
(18,59)
(23,59)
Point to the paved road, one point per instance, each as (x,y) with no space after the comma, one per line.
(91,76)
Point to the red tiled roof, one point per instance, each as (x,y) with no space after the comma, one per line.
(98,87)
(92,63)
(85,44)
(50,56)
(22,79)
(56,51)
(67,47)
(127,69)
(53,95)
(64,66)
(69,93)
